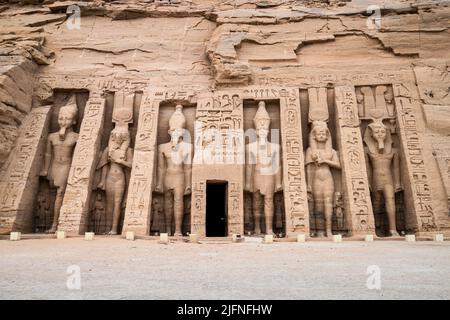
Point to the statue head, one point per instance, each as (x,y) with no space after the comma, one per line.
(378,131)
(378,138)
(67,117)
(261,121)
(177,124)
(320,134)
(119,137)
(389,97)
(320,131)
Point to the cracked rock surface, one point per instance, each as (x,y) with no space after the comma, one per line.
(211,44)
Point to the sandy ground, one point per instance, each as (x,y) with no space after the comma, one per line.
(113,268)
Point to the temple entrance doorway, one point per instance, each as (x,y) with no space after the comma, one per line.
(216,209)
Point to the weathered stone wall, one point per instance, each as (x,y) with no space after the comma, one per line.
(204,45)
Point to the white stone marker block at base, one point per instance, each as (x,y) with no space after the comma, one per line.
(89,236)
(410,238)
(368,238)
(439,237)
(301,238)
(193,238)
(337,238)
(15,236)
(60,235)
(130,235)
(237,238)
(164,238)
(268,238)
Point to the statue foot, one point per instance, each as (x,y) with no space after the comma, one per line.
(393,233)
(320,234)
(112,233)
(178,234)
(52,230)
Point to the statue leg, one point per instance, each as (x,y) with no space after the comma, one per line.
(268,213)
(319,214)
(389,199)
(168,199)
(178,210)
(256,211)
(328,193)
(58,203)
(119,189)
(328,215)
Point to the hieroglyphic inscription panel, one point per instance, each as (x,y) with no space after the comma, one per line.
(417,186)
(138,210)
(358,206)
(293,164)
(75,208)
(218,156)
(19,177)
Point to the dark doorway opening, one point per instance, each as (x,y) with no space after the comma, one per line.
(216,209)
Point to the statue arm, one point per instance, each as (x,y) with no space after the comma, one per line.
(161,170)
(396,168)
(103,165)
(279,175)
(369,167)
(334,162)
(47,158)
(248,170)
(129,158)
(188,170)
(309,176)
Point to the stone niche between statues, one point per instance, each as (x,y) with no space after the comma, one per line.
(376,109)
(252,205)
(163,201)
(44,208)
(325,191)
(121,111)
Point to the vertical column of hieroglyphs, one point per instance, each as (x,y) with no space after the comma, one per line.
(138,210)
(358,206)
(76,202)
(19,177)
(231,124)
(294,183)
(417,189)
(202,157)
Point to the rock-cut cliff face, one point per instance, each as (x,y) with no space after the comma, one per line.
(211,44)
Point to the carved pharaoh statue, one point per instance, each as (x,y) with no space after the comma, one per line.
(59,154)
(320,157)
(115,163)
(174,170)
(263,170)
(384,169)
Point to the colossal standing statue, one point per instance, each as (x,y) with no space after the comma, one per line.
(263,170)
(174,170)
(384,169)
(59,154)
(320,157)
(115,163)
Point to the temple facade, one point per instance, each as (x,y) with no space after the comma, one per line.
(180,118)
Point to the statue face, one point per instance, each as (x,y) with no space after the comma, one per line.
(321,134)
(175,135)
(378,132)
(262,132)
(65,119)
